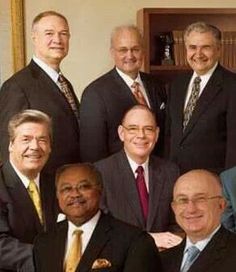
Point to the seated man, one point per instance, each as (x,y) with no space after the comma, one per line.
(198,205)
(27,202)
(102,242)
(140,198)
(228,179)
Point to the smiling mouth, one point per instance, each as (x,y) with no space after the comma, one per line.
(76,202)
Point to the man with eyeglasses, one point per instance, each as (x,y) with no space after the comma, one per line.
(198,205)
(137,185)
(106,99)
(102,243)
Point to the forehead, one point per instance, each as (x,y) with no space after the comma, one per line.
(75,175)
(51,22)
(32,128)
(139,117)
(126,37)
(195,37)
(196,184)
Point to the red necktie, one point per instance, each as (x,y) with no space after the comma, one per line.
(138,94)
(142,190)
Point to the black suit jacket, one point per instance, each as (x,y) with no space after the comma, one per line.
(127,249)
(120,195)
(19,222)
(209,138)
(218,255)
(103,105)
(32,88)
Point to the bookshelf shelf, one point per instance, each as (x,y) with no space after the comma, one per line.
(156,22)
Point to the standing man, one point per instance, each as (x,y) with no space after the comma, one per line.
(102,242)
(201,108)
(41,86)
(138,186)
(198,205)
(105,100)
(27,202)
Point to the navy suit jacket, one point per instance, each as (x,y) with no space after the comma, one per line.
(127,248)
(209,138)
(103,105)
(228,179)
(19,222)
(32,88)
(120,195)
(217,256)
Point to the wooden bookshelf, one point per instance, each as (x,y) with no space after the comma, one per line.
(153,22)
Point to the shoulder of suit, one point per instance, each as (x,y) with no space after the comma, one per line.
(106,161)
(163,162)
(229,175)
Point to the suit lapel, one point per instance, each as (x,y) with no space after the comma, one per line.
(99,239)
(148,88)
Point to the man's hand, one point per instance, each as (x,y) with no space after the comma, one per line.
(166,240)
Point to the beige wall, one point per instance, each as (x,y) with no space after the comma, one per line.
(91,22)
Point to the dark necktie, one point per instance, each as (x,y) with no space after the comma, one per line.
(142,191)
(138,94)
(192,101)
(193,253)
(65,89)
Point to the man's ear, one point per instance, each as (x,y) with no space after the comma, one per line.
(121,133)
(10,147)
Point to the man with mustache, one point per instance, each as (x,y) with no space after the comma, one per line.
(27,202)
(102,243)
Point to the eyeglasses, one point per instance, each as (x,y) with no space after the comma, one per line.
(200,200)
(134,130)
(80,187)
(125,50)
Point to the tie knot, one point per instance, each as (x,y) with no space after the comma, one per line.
(197,80)
(32,185)
(77,232)
(139,170)
(193,251)
(135,85)
(61,78)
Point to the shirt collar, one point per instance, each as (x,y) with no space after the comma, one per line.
(207,75)
(134,165)
(128,80)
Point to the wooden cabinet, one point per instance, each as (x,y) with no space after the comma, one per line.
(153,22)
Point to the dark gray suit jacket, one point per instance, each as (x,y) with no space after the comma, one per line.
(103,105)
(218,255)
(127,248)
(120,195)
(19,222)
(209,138)
(32,88)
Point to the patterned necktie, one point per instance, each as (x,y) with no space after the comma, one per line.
(74,253)
(34,194)
(138,94)
(193,253)
(65,89)
(192,101)
(142,191)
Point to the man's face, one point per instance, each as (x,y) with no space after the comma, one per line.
(78,195)
(51,40)
(30,149)
(127,52)
(198,204)
(203,51)
(139,134)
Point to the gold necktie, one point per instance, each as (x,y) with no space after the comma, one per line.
(138,94)
(34,194)
(74,253)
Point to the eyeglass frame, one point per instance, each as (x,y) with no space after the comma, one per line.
(200,200)
(147,130)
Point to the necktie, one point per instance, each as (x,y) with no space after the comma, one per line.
(142,190)
(138,94)
(74,253)
(34,194)
(65,89)
(193,253)
(192,101)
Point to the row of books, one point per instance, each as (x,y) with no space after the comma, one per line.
(178,51)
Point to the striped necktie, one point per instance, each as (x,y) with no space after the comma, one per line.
(138,94)
(193,253)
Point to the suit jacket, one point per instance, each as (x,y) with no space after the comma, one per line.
(228,179)
(120,195)
(209,138)
(19,222)
(127,249)
(32,88)
(217,256)
(103,105)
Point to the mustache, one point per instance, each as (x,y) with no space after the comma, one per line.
(76,200)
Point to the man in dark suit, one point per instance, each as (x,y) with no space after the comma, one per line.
(201,113)
(24,212)
(37,87)
(139,134)
(105,244)
(228,179)
(105,100)
(198,205)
